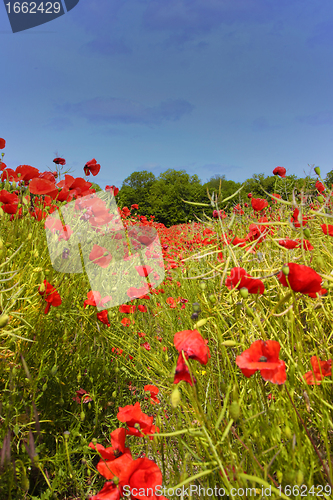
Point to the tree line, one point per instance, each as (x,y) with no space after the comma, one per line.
(163,196)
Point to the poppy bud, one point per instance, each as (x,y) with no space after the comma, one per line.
(203,285)
(89,406)
(54,370)
(234,410)
(114,394)
(201,322)
(299,477)
(1,244)
(196,307)
(288,432)
(78,378)
(306,232)
(41,288)
(317,170)
(320,261)
(25,484)
(4,319)
(14,185)
(279,476)
(320,199)
(44,387)
(285,270)
(82,416)
(229,343)
(175,397)
(29,236)
(212,298)
(115,479)
(61,401)
(244,292)
(1,212)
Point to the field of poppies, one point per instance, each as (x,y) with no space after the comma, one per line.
(209,377)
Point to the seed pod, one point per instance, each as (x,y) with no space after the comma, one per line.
(320,199)
(234,410)
(306,232)
(4,320)
(114,394)
(196,307)
(175,397)
(78,378)
(203,285)
(279,476)
(44,387)
(195,316)
(244,292)
(212,298)
(317,170)
(82,416)
(285,270)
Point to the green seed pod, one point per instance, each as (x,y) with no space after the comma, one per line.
(89,406)
(285,270)
(279,476)
(201,322)
(44,387)
(196,307)
(175,397)
(203,285)
(212,298)
(82,416)
(299,477)
(25,484)
(114,394)
(306,232)
(61,401)
(78,378)
(1,244)
(317,170)
(320,199)
(116,369)
(244,292)
(234,410)
(4,320)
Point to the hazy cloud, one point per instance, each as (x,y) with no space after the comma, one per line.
(125,111)
(261,123)
(59,123)
(106,47)
(320,118)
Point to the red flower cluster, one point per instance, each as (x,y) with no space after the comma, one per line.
(258,204)
(51,296)
(263,356)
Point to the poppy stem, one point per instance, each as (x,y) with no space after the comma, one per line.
(311,440)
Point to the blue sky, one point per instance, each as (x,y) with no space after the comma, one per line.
(231,87)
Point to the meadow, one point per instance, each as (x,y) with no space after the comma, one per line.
(216,382)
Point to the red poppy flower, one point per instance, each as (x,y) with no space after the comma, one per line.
(295,217)
(112,189)
(182,372)
(59,161)
(132,415)
(320,369)
(263,356)
(109,492)
(142,308)
(82,396)
(146,346)
(320,186)
(249,195)
(27,172)
(193,345)
(239,275)
(2,143)
(42,186)
(306,244)
(92,166)
(153,393)
(8,198)
(51,296)
(302,279)
(100,256)
(103,317)
(280,171)
(113,452)
(327,229)
(258,204)
(9,174)
(287,243)
(135,206)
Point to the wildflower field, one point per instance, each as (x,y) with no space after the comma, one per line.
(212,379)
